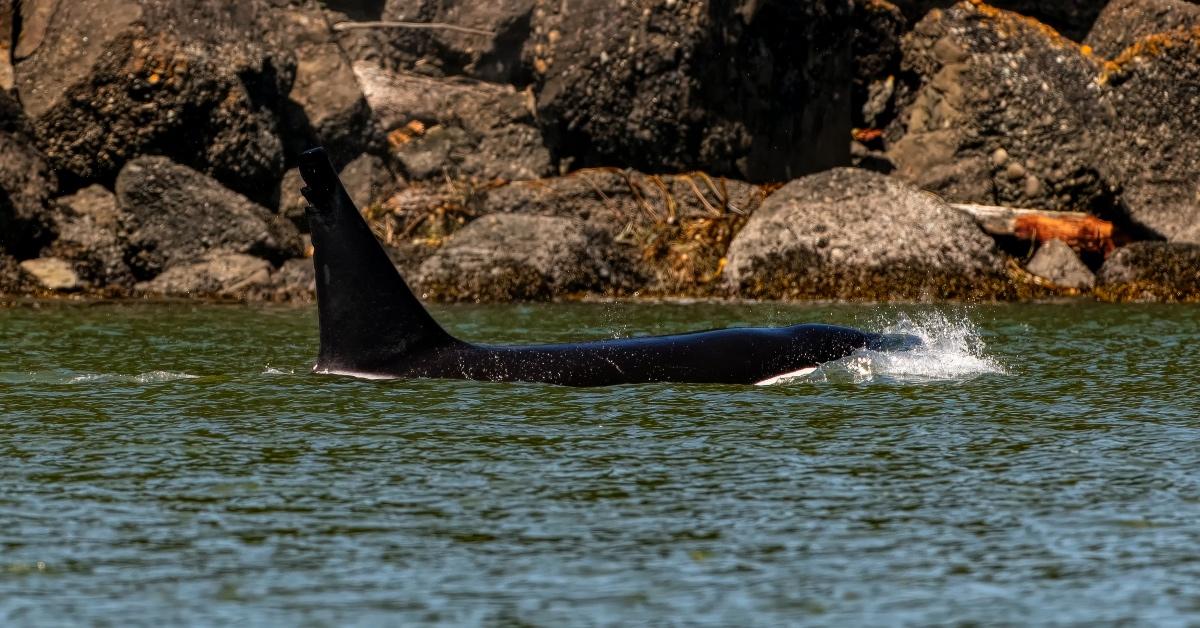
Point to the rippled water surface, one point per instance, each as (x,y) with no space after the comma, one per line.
(179,464)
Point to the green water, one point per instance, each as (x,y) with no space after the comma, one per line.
(179,464)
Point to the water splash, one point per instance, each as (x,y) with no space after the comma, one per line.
(952,349)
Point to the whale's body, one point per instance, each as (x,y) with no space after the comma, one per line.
(371,325)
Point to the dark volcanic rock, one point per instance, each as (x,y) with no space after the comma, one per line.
(1056,262)
(754,89)
(90,235)
(503,257)
(175,215)
(1151,271)
(1123,22)
(853,234)
(216,274)
(1154,88)
(455,127)
(25,184)
(1007,112)
(200,81)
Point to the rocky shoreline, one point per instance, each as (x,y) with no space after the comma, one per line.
(521,150)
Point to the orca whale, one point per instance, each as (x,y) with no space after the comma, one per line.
(373,326)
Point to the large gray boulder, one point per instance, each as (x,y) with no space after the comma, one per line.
(1151,271)
(26,183)
(854,234)
(456,127)
(175,215)
(754,89)
(1006,112)
(1124,22)
(505,257)
(200,81)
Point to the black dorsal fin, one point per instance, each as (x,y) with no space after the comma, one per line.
(369,318)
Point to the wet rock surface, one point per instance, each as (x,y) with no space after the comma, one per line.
(504,257)
(1151,271)
(174,215)
(854,234)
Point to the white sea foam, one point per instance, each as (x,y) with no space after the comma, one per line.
(151,377)
(952,348)
(270,370)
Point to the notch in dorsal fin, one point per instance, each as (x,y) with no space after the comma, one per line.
(369,317)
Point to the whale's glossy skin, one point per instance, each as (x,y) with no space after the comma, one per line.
(371,324)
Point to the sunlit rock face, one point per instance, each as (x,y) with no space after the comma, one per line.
(1124,22)
(1004,110)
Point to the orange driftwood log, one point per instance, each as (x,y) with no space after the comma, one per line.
(1083,232)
